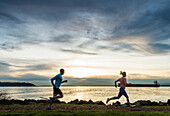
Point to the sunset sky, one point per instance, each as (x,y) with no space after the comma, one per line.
(91,39)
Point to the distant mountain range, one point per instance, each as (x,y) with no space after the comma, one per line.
(15,84)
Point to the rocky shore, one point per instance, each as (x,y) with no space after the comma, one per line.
(76,101)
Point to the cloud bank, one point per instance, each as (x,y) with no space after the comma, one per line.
(131,26)
(39,36)
(43,80)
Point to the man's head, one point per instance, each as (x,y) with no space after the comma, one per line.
(62,71)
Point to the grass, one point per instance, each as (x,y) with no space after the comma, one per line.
(81,112)
(84,113)
(46,104)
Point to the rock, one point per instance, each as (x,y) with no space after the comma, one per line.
(124,105)
(42,101)
(74,101)
(155,103)
(16,101)
(90,102)
(117,103)
(168,102)
(59,102)
(31,102)
(99,103)
(144,102)
(165,104)
(62,102)
(160,103)
(4,101)
(137,104)
(28,101)
(113,104)
(82,102)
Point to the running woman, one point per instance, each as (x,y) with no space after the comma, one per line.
(122,91)
(57,93)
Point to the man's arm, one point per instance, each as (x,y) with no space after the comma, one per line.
(64,81)
(52,83)
(52,80)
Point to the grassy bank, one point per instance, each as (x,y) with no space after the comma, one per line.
(83,110)
(85,113)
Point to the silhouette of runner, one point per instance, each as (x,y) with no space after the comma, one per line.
(57,93)
(122,91)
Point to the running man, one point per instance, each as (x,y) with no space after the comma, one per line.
(57,93)
(122,91)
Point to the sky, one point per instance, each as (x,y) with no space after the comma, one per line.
(93,40)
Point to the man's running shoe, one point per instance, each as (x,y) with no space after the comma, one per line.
(48,108)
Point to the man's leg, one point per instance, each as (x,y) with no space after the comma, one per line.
(57,94)
(54,98)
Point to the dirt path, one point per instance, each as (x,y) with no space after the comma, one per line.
(75,108)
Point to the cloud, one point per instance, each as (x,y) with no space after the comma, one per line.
(160,48)
(152,22)
(105,80)
(128,28)
(110,81)
(37,67)
(25,77)
(8,46)
(9,18)
(62,39)
(5,67)
(78,52)
(149,49)
(22,68)
(4,64)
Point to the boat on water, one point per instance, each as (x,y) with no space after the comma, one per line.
(143,85)
(156,84)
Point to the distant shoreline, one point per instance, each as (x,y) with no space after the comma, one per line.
(74,86)
(16,84)
(89,85)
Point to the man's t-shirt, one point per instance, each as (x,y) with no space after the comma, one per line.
(58,80)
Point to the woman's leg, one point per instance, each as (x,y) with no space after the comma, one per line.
(119,95)
(127,97)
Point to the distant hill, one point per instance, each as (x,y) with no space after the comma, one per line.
(2,84)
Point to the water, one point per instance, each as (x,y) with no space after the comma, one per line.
(95,93)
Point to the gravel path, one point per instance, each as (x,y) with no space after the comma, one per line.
(76,108)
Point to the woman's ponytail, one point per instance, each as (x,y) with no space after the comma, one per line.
(120,72)
(123,73)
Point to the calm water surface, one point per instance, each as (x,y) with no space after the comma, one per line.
(90,92)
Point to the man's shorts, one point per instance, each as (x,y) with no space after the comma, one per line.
(57,91)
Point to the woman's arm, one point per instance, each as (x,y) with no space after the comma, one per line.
(127,83)
(116,82)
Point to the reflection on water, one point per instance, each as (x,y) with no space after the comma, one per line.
(90,92)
